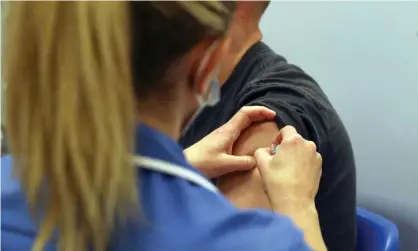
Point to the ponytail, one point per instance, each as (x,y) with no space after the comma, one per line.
(70,103)
(70,116)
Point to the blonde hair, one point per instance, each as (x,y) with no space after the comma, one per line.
(70,112)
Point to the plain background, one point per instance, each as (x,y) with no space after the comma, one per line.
(365,56)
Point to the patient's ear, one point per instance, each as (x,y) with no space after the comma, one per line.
(257,135)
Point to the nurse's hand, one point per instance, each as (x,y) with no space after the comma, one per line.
(291,178)
(292,175)
(213,154)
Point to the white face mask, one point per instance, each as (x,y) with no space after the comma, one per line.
(211,98)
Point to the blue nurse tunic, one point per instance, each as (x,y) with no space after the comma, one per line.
(180,210)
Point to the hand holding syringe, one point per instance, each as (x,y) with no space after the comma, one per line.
(291,177)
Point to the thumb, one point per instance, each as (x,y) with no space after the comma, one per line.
(263,158)
(233,163)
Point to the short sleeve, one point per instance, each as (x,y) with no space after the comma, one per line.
(293,104)
(299,101)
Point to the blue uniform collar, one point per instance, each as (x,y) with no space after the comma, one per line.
(154,144)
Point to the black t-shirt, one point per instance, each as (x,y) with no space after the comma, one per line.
(264,78)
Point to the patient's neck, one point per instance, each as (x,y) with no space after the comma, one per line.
(242,40)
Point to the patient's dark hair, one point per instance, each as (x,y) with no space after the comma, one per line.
(264,5)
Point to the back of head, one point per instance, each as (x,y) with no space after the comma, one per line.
(71,97)
(246,21)
(262,6)
(253,10)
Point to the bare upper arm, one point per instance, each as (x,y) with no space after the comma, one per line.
(246,189)
(257,135)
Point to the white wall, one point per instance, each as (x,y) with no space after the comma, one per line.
(365,56)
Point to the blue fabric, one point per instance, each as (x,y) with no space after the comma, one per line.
(375,233)
(175,214)
(17,228)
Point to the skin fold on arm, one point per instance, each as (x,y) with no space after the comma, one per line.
(246,189)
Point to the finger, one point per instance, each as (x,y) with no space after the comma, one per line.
(286,132)
(244,117)
(319,172)
(319,158)
(311,146)
(231,163)
(263,157)
(249,114)
(319,161)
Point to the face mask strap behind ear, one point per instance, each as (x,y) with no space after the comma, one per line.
(212,93)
